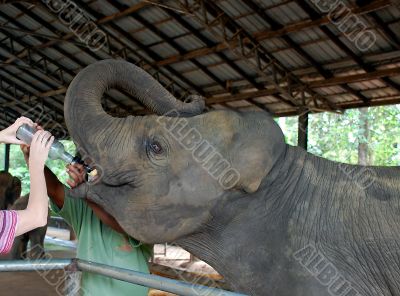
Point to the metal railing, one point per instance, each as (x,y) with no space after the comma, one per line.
(130,276)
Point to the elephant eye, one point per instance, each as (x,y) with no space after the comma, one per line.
(156,147)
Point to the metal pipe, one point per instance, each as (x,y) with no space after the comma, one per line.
(152,281)
(33,265)
(130,276)
(60,242)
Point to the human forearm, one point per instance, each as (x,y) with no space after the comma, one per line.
(104,217)
(55,189)
(35,214)
(38,199)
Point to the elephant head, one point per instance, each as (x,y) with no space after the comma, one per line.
(161,175)
(10,189)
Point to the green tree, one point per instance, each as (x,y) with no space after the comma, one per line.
(338,136)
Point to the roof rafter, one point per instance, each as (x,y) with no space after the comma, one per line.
(113,51)
(62,51)
(392,37)
(254,54)
(275,25)
(367,68)
(221,55)
(130,38)
(268,34)
(315,84)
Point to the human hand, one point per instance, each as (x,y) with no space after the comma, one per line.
(9,135)
(77,174)
(26,148)
(39,150)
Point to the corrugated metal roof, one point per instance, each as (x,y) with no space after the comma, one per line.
(209,64)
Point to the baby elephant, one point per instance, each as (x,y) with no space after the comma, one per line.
(10,190)
(35,236)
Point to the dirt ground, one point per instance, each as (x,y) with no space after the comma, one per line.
(33,283)
(24,283)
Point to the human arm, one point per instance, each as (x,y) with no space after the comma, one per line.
(35,214)
(77,175)
(56,190)
(105,217)
(8,135)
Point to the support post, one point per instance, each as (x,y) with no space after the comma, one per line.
(7,157)
(303,131)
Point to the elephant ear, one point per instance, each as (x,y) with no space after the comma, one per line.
(257,149)
(252,166)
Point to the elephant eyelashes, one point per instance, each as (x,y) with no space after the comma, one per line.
(156,147)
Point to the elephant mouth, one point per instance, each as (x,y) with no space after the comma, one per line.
(119,178)
(93,176)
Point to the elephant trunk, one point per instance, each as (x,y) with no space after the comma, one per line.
(84,115)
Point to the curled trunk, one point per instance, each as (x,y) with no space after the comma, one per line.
(84,115)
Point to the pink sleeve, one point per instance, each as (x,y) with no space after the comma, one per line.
(8,225)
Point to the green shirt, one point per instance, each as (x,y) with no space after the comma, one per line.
(99,243)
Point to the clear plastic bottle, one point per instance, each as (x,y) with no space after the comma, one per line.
(57,150)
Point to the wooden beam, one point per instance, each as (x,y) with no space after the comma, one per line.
(382,25)
(221,55)
(122,13)
(27,99)
(348,105)
(275,25)
(68,36)
(128,38)
(268,34)
(378,74)
(341,45)
(314,84)
(321,20)
(62,88)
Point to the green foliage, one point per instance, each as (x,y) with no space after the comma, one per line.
(18,167)
(289,126)
(337,136)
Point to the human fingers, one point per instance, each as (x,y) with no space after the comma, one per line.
(50,142)
(77,166)
(46,138)
(76,175)
(36,136)
(71,183)
(22,120)
(42,136)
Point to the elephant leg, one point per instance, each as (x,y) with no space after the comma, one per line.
(36,238)
(18,250)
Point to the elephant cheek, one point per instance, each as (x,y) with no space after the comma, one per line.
(154,224)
